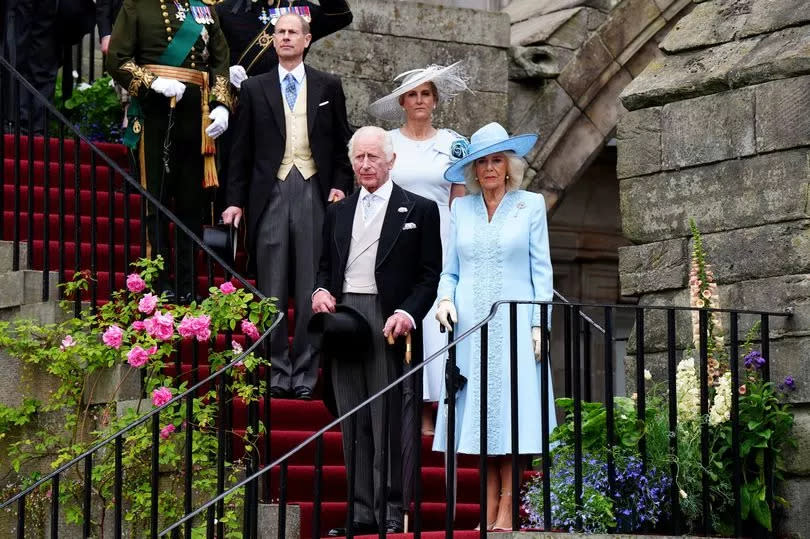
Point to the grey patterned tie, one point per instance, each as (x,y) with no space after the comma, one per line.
(369,203)
(290,90)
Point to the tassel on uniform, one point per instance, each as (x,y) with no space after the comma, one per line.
(209,148)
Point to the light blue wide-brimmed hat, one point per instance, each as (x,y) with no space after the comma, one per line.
(492,138)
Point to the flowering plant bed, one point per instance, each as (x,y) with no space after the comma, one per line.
(640,499)
(139,334)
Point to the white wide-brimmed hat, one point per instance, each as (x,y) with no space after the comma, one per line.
(449,80)
(492,138)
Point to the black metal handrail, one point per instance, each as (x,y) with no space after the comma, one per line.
(572,356)
(12,84)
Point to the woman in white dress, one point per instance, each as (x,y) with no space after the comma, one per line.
(423,153)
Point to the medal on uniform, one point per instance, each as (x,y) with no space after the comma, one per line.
(264,18)
(181,11)
(276,13)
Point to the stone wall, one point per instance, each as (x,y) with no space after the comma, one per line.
(719,130)
(387,38)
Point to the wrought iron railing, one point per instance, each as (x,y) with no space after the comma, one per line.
(578,364)
(63,214)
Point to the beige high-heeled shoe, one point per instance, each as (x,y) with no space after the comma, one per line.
(490,526)
(502,528)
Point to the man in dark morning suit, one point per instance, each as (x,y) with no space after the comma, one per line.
(382,256)
(288,161)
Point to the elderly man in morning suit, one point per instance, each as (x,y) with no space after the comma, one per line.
(288,161)
(382,256)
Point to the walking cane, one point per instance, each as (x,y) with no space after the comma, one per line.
(405,443)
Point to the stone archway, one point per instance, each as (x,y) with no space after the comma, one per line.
(570,60)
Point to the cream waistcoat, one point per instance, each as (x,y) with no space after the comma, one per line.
(362,260)
(296,147)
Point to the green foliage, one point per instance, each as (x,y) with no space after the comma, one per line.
(74,354)
(94,109)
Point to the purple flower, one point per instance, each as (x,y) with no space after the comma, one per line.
(754,360)
(788,384)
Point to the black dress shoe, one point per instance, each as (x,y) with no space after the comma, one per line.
(278,392)
(393,526)
(303,393)
(358,528)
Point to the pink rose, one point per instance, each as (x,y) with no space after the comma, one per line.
(148,303)
(67,342)
(113,336)
(249,329)
(161,396)
(227,288)
(138,325)
(137,357)
(160,326)
(166,431)
(135,284)
(152,350)
(237,348)
(198,327)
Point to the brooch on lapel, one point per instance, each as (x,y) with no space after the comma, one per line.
(520,205)
(409,226)
(402,209)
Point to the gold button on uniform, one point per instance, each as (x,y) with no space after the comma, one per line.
(168,29)
(169,38)
(193,64)
(165,13)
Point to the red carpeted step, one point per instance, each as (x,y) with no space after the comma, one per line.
(68,175)
(70,206)
(301,484)
(102,255)
(57,230)
(117,152)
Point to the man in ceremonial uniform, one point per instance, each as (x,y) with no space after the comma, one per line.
(288,161)
(165,52)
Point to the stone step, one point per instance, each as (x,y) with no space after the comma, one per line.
(7,256)
(25,287)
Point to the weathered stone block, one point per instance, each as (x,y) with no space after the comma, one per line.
(540,112)
(655,323)
(440,23)
(11,290)
(706,129)
(721,21)
(686,75)
(796,519)
(638,141)
(796,460)
(653,267)
(626,22)
(574,152)
(782,119)
(789,358)
(780,55)
(606,109)
(573,33)
(639,61)
(520,10)
(588,63)
(723,196)
(538,30)
(759,252)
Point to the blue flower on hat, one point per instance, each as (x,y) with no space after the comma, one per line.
(459,149)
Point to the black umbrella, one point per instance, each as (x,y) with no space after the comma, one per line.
(411,430)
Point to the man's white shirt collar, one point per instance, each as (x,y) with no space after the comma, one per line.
(384,192)
(297,72)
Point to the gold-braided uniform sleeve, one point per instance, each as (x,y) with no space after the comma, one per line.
(121,61)
(218,64)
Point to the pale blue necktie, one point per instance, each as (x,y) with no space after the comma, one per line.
(369,204)
(290,90)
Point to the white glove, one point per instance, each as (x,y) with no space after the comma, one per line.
(238,75)
(219,123)
(446,310)
(169,87)
(537,338)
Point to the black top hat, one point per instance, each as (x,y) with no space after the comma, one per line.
(344,335)
(221,238)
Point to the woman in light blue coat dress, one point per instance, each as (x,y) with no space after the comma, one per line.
(497,250)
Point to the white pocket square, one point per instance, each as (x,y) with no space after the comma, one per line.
(408,226)
(324,103)
(402,209)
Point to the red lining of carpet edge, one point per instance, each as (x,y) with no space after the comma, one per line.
(291,421)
